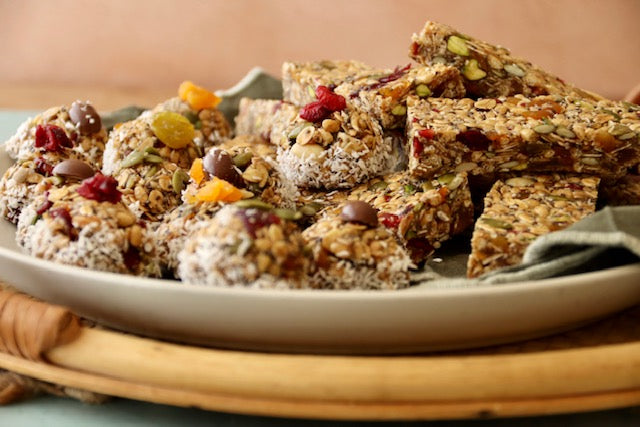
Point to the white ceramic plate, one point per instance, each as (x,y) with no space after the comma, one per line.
(410,320)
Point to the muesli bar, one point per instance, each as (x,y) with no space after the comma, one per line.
(516,134)
(489,71)
(520,209)
(421,213)
(300,79)
(384,95)
(352,250)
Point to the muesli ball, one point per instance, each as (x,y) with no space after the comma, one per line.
(224,176)
(79,126)
(331,146)
(86,225)
(246,247)
(353,251)
(180,129)
(29,178)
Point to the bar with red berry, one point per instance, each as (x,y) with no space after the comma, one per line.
(421,213)
(518,134)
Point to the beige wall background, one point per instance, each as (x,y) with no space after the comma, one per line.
(142,47)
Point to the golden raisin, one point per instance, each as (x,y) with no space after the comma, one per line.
(173,129)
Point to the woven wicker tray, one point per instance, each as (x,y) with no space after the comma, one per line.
(595,367)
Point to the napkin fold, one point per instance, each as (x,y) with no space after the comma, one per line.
(608,238)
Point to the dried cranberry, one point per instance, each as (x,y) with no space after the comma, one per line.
(52,138)
(427,133)
(132,258)
(44,206)
(474,139)
(327,103)
(417,147)
(389,220)
(255,219)
(314,112)
(395,75)
(65,216)
(329,99)
(43,167)
(100,187)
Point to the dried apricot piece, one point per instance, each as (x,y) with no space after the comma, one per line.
(197,97)
(173,129)
(197,171)
(218,190)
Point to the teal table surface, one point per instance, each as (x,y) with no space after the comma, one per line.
(52,411)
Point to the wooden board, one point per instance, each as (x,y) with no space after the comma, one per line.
(593,368)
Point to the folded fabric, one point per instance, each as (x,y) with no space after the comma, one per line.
(608,238)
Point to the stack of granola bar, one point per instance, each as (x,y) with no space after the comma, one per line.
(351,181)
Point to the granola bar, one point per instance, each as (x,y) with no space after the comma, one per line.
(80,126)
(421,213)
(384,95)
(341,151)
(300,79)
(246,248)
(356,253)
(520,209)
(65,227)
(547,133)
(489,71)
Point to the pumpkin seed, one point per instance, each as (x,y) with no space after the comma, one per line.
(253,203)
(514,70)
(134,158)
(446,179)
(618,129)
(288,214)
(378,185)
(310,209)
(565,132)
(399,110)
(242,159)
(423,91)
(458,46)
(153,158)
(179,180)
(472,70)
(496,223)
(544,128)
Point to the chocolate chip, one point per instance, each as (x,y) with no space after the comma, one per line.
(85,117)
(362,212)
(74,169)
(218,163)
